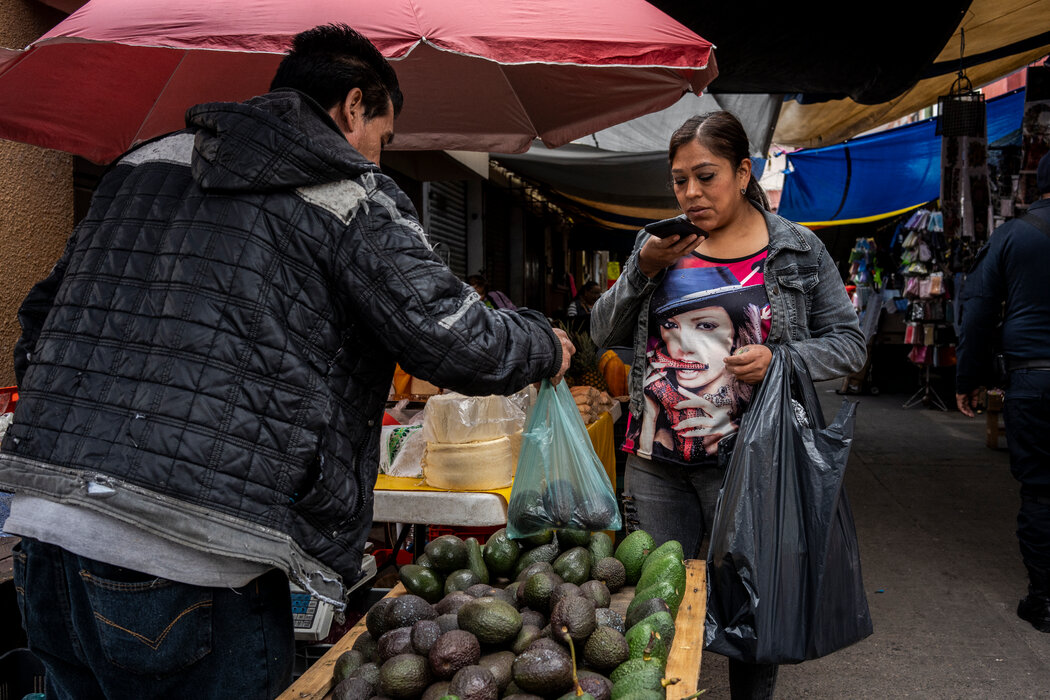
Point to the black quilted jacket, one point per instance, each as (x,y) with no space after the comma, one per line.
(210,357)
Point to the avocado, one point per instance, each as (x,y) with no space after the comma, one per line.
(667,568)
(501,665)
(353,689)
(367,646)
(598,592)
(543,671)
(610,571)
(532,568)
(447,622)
(563,590)
(572,695)
(558,500)
(644,641)
(597,512)
(573,616)
(525,517)
(548,643)
(637,666)
(569,538)
(452,602)
(422,582)
(396,641)
(537,589)
(639,694)
(474,683)
(662,622)
(375,618)
(596,684)
(533,617)
(605,649)
(644,610)
(437,690)
(607,617)
(370,672)
(476,560)
(661,589)
(424,561)
(632,553)
(407,610)
(540,538)
(599,546)
(452,651)
(404,676)
(500,553)
(424,634)
(460,580)
(526,636)
(574,565)
(545,553)
(480,589)
(668,548)
(521,696)
(503,594)
(491,620)
(448,553)
(347,663)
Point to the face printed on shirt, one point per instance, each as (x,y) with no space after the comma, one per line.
(700,337)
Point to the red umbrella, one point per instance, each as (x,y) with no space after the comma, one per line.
(478,75)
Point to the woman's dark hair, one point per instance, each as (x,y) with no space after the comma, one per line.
(724,135)
(586,287)
(329,61)
(479,281)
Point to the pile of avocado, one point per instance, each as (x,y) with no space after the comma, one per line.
(522,619)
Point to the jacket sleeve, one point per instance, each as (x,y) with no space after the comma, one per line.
(425,318)
(34,310)
(836,344)
(614,317)
(980,311)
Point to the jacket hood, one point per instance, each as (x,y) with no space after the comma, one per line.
(280,140)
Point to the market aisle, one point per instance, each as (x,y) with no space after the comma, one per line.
(935,513)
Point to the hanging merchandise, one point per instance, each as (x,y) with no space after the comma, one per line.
(1035,133)
(965,189)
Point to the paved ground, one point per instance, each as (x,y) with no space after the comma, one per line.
(935,512)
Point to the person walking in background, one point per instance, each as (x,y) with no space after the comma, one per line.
(580,307)
(493,299)
(699,311)
(202,380)
(1005,307)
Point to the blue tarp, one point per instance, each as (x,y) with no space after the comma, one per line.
(879,175)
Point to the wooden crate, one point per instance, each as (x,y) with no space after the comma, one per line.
(683,662)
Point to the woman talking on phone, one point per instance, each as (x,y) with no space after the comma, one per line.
(700,309)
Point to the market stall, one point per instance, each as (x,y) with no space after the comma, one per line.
(683,661)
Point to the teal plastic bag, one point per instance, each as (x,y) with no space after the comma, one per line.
(560,482)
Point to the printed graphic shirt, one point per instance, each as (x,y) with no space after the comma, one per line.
(703,311)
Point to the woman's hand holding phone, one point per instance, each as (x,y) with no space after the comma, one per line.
(660,252)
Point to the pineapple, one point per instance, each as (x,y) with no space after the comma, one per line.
(584,368)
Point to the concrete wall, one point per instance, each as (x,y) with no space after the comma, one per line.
(36,194)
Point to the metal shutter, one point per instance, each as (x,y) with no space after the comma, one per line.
(447,223)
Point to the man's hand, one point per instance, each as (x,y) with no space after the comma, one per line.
(749,363)
(567,351)
(658,253)
(967,402)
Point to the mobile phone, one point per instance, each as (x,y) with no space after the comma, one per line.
(677,225)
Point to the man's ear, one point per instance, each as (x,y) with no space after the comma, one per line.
(350,113)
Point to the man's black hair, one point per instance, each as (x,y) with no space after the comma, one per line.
(328,61)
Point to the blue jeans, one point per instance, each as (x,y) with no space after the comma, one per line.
(671,502)
(102,631)
(1026,414)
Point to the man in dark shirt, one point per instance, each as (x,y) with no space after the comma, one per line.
(1008,284)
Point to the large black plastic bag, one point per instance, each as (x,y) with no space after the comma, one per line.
(560,481)
(784,580)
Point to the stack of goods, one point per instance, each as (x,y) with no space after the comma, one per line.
(472,442)
(523,618)
(591,402)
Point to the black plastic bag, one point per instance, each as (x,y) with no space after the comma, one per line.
(784,580)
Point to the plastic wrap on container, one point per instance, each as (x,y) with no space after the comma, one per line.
(457,419)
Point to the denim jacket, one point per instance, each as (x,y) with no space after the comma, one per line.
(810,307)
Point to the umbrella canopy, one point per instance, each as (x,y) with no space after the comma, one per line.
(477,75)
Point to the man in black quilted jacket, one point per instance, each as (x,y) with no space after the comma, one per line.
(202,378)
